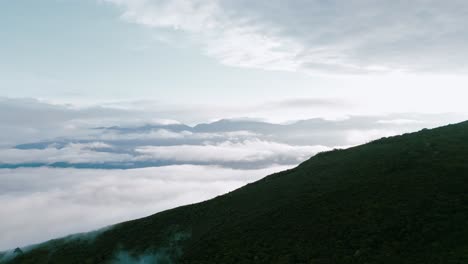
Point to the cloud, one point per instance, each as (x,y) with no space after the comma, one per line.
(356,36)
(71,153)
(356,137)
(29,120)
(120,138)
(225,152)
(248,153)
(111,134)
(399,121)
(77,200)
(305,103)
(23,120)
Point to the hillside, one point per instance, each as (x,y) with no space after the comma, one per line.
(402,199)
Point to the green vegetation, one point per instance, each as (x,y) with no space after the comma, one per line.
(396,200)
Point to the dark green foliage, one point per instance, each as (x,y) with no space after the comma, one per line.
(396,200)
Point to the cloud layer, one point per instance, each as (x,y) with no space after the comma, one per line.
(356,36)
(63,136)
(44,203)
(65,170)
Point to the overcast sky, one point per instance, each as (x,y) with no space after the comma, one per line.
(377,56)
(108,104)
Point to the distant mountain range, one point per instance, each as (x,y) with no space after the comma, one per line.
(401,199)
(129,147)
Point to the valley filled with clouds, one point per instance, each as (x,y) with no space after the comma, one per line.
(81,169)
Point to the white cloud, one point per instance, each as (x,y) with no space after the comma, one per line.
(234,41)
(72,153)
(151,134)
(355,36)
(239,154)
(355,137)
(73,200)
(245,151)
(399,121)
(25,120)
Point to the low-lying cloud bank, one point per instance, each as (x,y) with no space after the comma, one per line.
(244,154)
(93,137)
(44,203)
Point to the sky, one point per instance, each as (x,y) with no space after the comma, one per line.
(368,54)
(116,109)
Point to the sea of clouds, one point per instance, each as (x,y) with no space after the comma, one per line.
(65,170)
